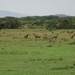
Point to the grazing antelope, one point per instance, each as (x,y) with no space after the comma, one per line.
(73,35)
(26,36)
(37,36)
(45,36)
(54,36)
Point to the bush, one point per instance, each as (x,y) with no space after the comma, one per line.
(72,43)
(74,64)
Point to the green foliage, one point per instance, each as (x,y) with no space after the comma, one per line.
(51,25)
(74,64)
(50,22)
(9,23)
(72,43)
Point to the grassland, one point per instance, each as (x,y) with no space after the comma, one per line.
(31,56)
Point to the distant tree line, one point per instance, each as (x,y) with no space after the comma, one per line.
(9,23)
(49,22)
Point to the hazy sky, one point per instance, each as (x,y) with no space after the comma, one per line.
(39,7)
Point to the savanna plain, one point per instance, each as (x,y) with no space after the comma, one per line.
(37,56)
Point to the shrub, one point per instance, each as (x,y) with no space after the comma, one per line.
(72,43)
(74,64)
(49,46)
(63,39)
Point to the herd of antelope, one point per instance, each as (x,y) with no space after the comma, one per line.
(45,36)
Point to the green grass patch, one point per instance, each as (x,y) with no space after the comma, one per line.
(31,56)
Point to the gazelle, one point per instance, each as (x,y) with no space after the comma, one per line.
(55,36)
(45,36)
(73,35)
(37,36)
(26,36)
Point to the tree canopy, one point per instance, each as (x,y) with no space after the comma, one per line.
(48,22)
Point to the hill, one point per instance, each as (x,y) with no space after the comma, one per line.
(4,13)
(61,15)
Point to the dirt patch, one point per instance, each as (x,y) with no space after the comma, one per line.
(71,58)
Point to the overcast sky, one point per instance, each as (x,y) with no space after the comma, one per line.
(39,7)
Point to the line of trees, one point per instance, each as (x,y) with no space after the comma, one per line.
(9,23)
(48,22)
